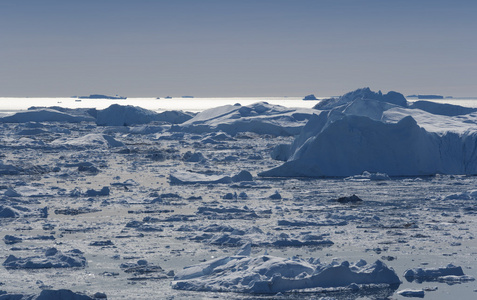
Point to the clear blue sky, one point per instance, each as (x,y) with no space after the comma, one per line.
(237,47)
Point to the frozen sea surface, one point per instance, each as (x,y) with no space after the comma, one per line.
(137,229)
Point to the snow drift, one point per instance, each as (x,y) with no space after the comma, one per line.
(261,118)
(267,274)
(376,135)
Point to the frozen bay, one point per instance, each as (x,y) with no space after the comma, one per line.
(108,193)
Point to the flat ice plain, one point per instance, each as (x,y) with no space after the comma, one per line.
(229,202)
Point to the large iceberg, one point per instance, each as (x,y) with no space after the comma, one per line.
(381,135)
(267,274)
(261,118)
(126,115)
(45,115)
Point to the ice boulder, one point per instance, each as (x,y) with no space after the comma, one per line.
(267,274)
(261,118)
(44,115)
(126,115)
(51,258)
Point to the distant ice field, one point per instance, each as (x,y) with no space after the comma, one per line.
(10,104)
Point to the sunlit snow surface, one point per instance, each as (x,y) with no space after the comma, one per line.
(108,193)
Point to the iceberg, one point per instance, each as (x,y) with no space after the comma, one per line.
(261,118)
(127,115)
(267,274)
(44,115)
(449,273)
(380,135)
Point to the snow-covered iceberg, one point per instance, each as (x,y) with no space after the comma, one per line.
(261,118)
(364,93)
(376,135)
(267,274)
(44,115)
(126,115)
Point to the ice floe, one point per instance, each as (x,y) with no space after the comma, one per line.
(183,177)
(449,273)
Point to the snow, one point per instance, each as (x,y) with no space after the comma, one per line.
(374,135)
(266,274)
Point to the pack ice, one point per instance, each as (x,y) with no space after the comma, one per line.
(367,131)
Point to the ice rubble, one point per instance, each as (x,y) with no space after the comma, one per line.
(261,118)
(366,131)
(267,274)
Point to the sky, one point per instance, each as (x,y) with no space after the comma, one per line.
(226,48)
